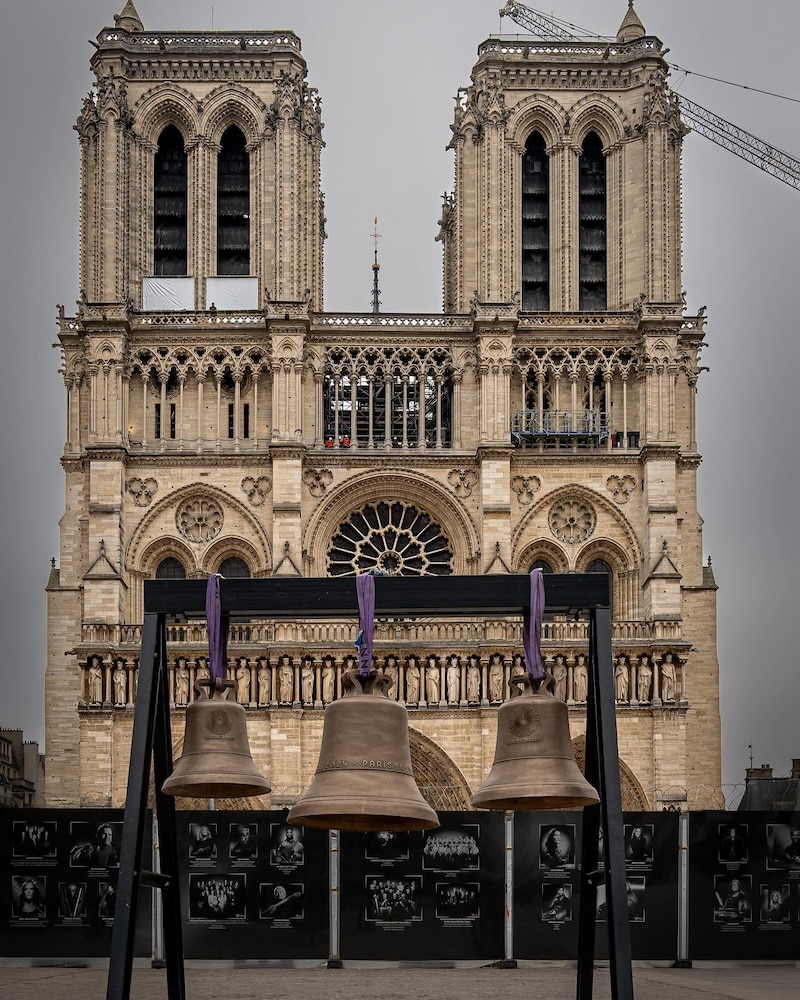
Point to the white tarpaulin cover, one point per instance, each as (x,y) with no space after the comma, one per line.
(232,293)
(167,294)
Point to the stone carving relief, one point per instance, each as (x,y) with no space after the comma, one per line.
(526,487)
(621,487)
(256,490)
(142,490)
(317,481)
(572,520)
(199,520)
(463,481)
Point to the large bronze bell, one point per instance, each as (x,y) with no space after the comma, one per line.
(534,765)
(364,779)
(216,761)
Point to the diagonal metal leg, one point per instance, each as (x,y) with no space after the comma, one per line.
(148,692)
(168,836)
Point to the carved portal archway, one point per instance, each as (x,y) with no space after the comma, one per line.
(439,780)
(633,795)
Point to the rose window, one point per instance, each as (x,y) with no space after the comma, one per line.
(572,520)
(397,538)
(199,520)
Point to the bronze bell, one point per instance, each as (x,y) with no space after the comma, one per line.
(534,765)
(364,779)
(216,761)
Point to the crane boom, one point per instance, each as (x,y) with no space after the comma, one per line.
(736,140)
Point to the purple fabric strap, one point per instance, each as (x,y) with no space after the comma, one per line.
(365,589)
(217,636)
(532,628)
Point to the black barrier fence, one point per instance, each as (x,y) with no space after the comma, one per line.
(481,887)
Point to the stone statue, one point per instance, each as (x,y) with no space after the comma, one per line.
(242,683)
(181,683)
(328,679)
(560,678)
(580,677)
(390,671)
(119,684)
(645,680)
(286,681)
(474,681)
(412,682)
(621,679)
(263,682)
(453,681)
(432,681)
(203,674)
(307,681)
(668,678)
(95,682)
(496,679)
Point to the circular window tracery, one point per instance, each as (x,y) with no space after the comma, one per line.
(572,520)
(199,520)
(396,537)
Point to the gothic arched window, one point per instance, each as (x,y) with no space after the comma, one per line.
(169,205)
(170,569)
(535,226)
(234,568)
(541,564)
(592,226)
(233,204)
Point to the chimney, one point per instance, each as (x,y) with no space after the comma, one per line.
(796,768)
(760,773)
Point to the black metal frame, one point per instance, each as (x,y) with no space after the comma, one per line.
(336,597)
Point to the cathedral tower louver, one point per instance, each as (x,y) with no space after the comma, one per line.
(219,420)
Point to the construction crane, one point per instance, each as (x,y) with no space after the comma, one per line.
(761,154)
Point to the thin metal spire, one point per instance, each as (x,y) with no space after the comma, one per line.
(376,292)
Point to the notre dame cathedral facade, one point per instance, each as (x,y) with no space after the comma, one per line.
(220,420)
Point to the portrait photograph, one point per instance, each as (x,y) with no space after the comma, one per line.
(386,845)
(733,843)
(34,840)
(557,902)
(783,846)
(557,846)
(451,849)
(458,901)
(72,899)
(733,900)
(107,901)
(394,899)
(95,845)
(202,841)
(634,899)
(639,844)
(243,840)
(286,845)
(774,903)
(281,901)
(28,895)
(217,897)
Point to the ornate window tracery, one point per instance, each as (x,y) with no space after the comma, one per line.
(592,276)
(170,569)
(234,568)
(233,204)
(388,397)
(397,538)
(170,205)
(535,226)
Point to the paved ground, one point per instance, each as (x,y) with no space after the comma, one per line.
(531,981)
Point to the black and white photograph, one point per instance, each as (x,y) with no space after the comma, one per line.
(107,901)
(287,848)
(639,844)
(453,849)
(557,846)
(394,899)
(458,901)
(243,841)
(28,895)
(634,897)
(34,840)
(774,904)
(386,845)
(733,843)
(95,846)
(281,901)
(72,900)
(216,897)
(733,899)
(783,846)
(557,903)
(202,841)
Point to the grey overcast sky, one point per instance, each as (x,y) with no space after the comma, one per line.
(387,73)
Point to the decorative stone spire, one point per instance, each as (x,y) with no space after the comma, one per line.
(631,27)
(129,19)
(376,292)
